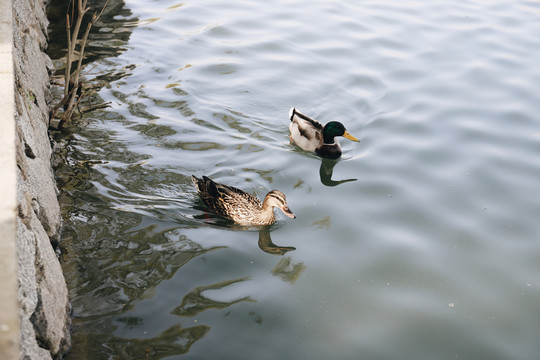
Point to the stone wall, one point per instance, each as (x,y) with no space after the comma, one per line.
(44,311)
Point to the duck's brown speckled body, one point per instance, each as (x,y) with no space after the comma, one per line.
(237,205)
(313,136)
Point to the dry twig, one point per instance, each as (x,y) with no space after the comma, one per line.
(73,92)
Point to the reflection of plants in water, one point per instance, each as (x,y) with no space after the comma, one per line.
(258,318)
(324,223)
(144,267)
(287,270)
(195,302)
(173,341)
(130,321)
(111,274)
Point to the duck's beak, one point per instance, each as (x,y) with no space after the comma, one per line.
(349,136)
(288,212)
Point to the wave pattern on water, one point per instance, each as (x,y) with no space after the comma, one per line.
(428,250)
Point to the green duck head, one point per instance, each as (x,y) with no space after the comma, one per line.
(333,129)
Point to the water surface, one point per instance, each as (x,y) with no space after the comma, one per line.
(430,251)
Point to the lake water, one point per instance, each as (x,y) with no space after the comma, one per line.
(430,251)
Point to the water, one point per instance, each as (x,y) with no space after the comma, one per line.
(429,251)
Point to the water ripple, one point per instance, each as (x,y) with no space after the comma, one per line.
(431,252)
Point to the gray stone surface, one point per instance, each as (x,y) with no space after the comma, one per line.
(9,320)
(43,297)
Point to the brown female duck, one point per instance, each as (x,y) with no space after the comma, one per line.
(236,205)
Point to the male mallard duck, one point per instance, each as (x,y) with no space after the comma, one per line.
(311,135)
(236,205)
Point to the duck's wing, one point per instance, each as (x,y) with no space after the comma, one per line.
(226,201)
(227,193)
(305,131)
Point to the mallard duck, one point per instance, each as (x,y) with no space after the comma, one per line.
(311,135)
(237,205)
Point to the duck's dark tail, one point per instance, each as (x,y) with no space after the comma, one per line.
(205,185)
(292,112)
(195,180)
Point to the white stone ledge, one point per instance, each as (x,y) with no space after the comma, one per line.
(9,314)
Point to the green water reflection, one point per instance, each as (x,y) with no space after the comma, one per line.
(326,172)
(175,340)
(195,302)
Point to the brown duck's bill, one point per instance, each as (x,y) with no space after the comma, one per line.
(289,213)
(349,136)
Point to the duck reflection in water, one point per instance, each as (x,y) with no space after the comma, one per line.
(266,244)
(326,172)
(265,240)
